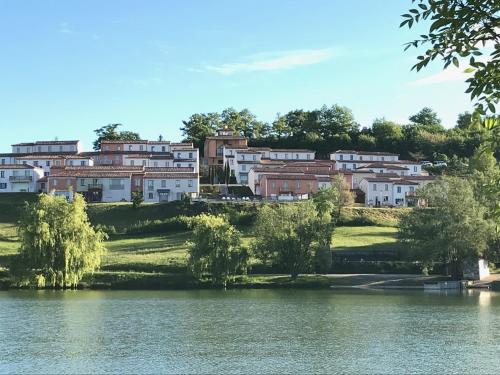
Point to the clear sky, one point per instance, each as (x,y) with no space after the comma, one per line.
(69,67)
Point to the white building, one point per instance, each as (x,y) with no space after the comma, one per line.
(392,191)
(19,178)
(70,147)
(168,186)
(242,160)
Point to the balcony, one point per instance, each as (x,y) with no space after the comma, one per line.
(20,178)
(411,194)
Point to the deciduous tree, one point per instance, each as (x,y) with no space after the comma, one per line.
(58,244)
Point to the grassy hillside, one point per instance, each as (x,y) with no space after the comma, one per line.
(156,260)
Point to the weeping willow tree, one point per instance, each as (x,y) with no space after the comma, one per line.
(58,244)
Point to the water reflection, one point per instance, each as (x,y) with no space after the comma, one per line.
(249,331)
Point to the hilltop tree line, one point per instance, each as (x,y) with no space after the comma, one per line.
(334,127)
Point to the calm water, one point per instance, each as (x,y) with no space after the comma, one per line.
(249,331)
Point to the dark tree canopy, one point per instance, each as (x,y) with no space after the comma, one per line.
(110,133)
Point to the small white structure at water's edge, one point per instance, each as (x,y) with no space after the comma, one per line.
(476,269)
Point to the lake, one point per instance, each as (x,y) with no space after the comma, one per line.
(249,331)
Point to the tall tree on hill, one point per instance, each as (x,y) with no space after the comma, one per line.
(58,244)
(215,251)
(453,229)
(428,120)
(199,126)
(110,133)
(336,120)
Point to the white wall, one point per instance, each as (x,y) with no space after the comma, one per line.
(151,194)
(8,186)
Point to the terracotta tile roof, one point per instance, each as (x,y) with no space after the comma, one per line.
(170,175)
(291,150)
(169,169)
(37,156)
(43,179)
(403,182)
(226,137)
(17,166)
(420,178)
(384,165)
(288,177)
(364,153)
(39,143)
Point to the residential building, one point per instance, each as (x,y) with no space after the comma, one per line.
(116,183)
(393,190)
(213,150)
(16,178)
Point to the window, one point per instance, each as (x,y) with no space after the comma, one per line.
(341,157)
(162,148)
(244,168)
(360,157)
(285,185)
(382,158)
(296,156)
(399,189)
(54,182)
(58,162)
(276,156)
(144,162)
(132,162)
(178,165)
(255,157)
(190,165)
(3,161)
(118,148)
(190,183)
(35,163)
(386,198)
(242,157)
(177,183)
(155,164)
(308,156)
(190,155)
(141,148)
(298,184)
(82,163)
(50,148)
(353,165)
(163,183)
(178,155)
(24,162)
(45,174)
(130,147)
(82,182)
(18,150)
(2,174)
(344,166)
(412,189)
(137,182)
(42,185)
(386,187)
(415,169)
(351,157)
(151,184)
(167,164)
(39,149)
(3,185)
(286,156)
(381,171)
(152,148)
(71,162)
(273,185)
(150,195)
(60,148)
(374,187)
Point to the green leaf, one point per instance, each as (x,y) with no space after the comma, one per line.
(455,61)
(469,70)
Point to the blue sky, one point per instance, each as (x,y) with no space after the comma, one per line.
(69,67)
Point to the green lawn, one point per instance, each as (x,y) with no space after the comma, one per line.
(366,238)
